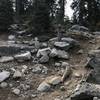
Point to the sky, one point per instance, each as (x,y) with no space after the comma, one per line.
(68,10)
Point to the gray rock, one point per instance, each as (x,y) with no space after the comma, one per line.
(86,92)
(59,53)
(53,80)
(62,45)
(43,87)
(3,85)
(57,64)
(17,74)
(4,75)
(79,28)
(39,68)
(64,64)
(11,37)
(23,56)
(6,59)
(37,43)
(44,59)
(16,91)
(42,52)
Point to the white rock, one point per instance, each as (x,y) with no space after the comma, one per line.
(23,56)
(16,91)
(11,37)
(17,74)
(43,87)
(3,85)
(57,64)
(42,52)
(62,45)
(4,75)
(6,59)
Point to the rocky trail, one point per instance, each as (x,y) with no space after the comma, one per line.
(49,70)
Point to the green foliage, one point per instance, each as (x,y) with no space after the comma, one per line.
(6,14)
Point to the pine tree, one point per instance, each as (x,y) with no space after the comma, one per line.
(6,14)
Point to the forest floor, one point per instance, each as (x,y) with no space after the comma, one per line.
(77,61)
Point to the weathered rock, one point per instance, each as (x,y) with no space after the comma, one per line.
(3,85)
(59,53)
(42,52)
(43,87)
(16,91)
(66,73)
(53,80)
(80,51)
(6,59)
(23,56)
(71,41)
(17,74)
(86,92)
(44,45)
(4,75)
(44,59)
(64,64)
(79,28)
(39,68)
(94,53)
(62,45)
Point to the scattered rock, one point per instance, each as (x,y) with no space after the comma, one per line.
(39,68)
(44,59)
(62,45)
(59,53)
(3,85)
(79,28)
(16,91)
(62,88)
(37,43)
(17,74)
(4,75)
(43,87)
(64,64)
(42,52)
(53,80)
(57,64)
(66,73)
(6,59)
(23,56)
(80,52)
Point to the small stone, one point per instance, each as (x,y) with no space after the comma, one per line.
(80,52)
(62,88)
(77,75)
(57,64)
(43,87)
(4,75)
(16,91)
(64,64)
(3,85)
(34,96)
(17,74)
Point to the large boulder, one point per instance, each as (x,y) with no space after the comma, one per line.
(79,28)
(86,91)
